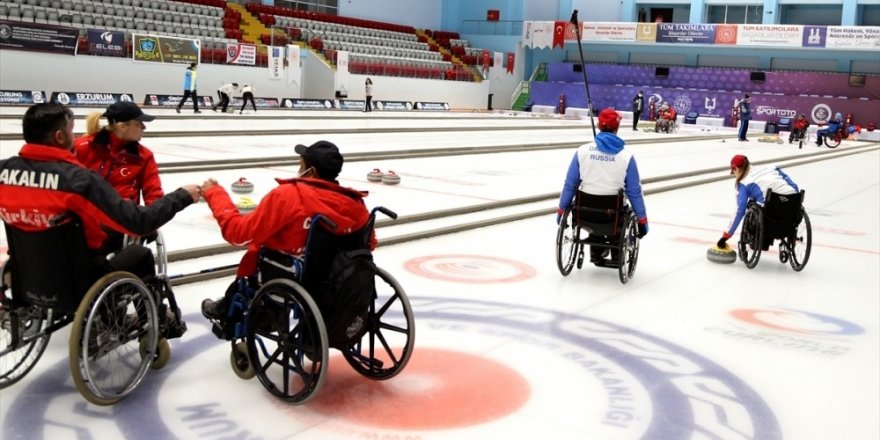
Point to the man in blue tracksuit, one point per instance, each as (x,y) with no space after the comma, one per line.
(602,169)
(189,88)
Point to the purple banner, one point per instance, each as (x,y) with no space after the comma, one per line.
(788,83)
(814,36)
(158,100)
(765,107)
(20,35)
(686,33)
(107,43)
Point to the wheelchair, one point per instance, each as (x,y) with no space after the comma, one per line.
(609,223)
(782,217)
(832,140)
(666,126)
(119,322)
(279,324)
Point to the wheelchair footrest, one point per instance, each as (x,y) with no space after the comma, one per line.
(611,264)
(175,329)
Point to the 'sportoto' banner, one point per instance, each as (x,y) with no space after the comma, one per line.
(163,49)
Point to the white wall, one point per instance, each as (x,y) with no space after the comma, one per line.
(421,14)
(36,71)
(598,10)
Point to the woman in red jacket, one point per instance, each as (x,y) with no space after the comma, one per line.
(114,151)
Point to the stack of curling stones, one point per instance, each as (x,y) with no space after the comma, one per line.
(725,255)
(245,205)
(242,186)
(389,178)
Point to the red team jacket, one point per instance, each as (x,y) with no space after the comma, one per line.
(128,166)
(282,219)
(43,183)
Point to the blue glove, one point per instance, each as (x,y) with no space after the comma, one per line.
(559,213)
(643,230)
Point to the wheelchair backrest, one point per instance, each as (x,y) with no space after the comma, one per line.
(782,213)
(323,245)
(600,215)
(51,268)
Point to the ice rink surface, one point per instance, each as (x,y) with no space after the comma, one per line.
(506,347)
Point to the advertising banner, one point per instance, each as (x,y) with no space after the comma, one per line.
(610,31)
(349,104)
(310,104)
(106,43)
(850,37)
(725,33)
(22,97)
(686,33)
(20,35)
(431,106)
(276,61)
(239,53)
(646,32)
(294,70)
(89,99)
(769,35)
(393,105)
(164,49)
(260,102)
(159,100)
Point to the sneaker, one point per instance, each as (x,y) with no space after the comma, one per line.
(241,112)
(596,257)
(214,310)
(177,109)
(197,111)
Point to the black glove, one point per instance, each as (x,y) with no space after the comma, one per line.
(643,230)
(722,243)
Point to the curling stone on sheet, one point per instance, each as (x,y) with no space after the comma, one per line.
(375,175)
(242,186)
(721,256)
(245,205)
(390,178)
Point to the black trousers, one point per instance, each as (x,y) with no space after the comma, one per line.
(248,96)
(636,116)
(368,106)
(224,101)
(195,98)
(134,258)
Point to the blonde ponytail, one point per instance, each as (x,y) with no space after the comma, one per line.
(93,123)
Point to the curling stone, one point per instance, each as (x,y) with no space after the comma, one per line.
(242,186)
(375,175)
(245,205)
(390,178)
(722,256)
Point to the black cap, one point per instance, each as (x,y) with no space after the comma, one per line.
(123,111)
(324,156)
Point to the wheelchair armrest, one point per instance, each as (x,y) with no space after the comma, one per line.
(385,211)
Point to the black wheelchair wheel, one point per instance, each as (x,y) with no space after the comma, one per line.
(287,341)
(386,347)
(629,249)
(566,243)
(19,355)
(833,140)
(750,241)
(114,338)
(799,246)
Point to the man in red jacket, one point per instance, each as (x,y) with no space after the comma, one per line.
(44,186)
(281,221)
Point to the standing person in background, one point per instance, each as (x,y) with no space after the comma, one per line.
(247,94)
(225,94)
(745,115)
(368,85)
(189,88)
(638,105)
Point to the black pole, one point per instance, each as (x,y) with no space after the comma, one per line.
(577,32)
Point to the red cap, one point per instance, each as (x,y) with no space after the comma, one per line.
(738,161)
(609,119)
